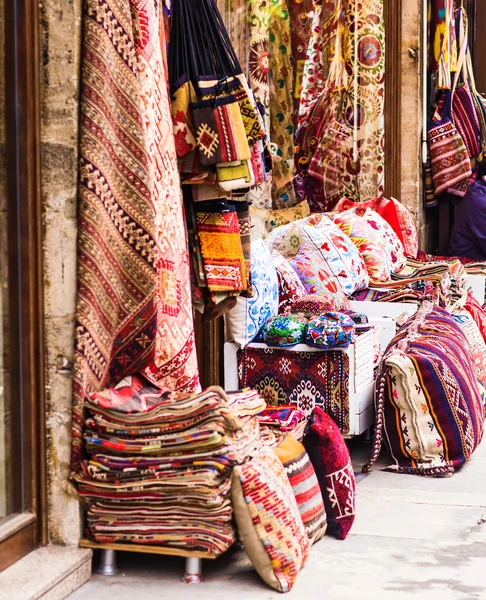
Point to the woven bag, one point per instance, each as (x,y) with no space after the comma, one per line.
(429,408)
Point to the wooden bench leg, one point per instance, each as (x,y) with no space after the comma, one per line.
(108,563)
(193,571)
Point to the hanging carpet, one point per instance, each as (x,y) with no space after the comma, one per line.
(133,309)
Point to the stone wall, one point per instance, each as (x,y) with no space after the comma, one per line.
(411,195)
(60,24)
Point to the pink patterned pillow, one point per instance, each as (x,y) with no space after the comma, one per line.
(368,242)
(317,277)
(290,288)
(388,238)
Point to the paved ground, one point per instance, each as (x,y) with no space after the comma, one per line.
(412,538)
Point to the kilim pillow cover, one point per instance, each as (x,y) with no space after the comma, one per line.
(269,521)
(329,455)
(428,400)
(305,486)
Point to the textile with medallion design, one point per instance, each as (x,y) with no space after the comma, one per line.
(305,379)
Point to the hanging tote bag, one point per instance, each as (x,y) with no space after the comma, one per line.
(429,407)
(449,158)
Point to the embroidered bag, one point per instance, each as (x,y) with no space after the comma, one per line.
(429,406)
(450,160)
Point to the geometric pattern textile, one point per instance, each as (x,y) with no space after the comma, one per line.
(222,252)
(269,521)
(305,486)
(304,379)
(133,305)
(330,456)
(429,405)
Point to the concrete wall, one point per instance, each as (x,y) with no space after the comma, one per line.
(60,50)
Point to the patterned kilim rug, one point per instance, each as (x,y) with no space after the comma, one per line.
(134,310)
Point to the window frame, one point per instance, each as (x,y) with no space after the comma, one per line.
(23,532)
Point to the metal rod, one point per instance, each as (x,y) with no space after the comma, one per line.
(108,563)
(193,571)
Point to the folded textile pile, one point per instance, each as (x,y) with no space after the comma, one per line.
(160,463)
(444,282)
(276,422)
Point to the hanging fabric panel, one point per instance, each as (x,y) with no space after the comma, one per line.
(133,307)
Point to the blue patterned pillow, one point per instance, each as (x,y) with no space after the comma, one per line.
(246,319)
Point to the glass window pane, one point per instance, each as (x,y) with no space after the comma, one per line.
(10,497)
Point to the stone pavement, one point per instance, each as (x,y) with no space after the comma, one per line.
(413,538)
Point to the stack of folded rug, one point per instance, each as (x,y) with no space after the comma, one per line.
(159,465)
(276,422)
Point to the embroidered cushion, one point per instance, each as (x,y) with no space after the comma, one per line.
(317,277)
(269,521)
(320,233)
(388,238)
(368,243)
(264,220)
(311,306)
(244,321)
(305,486)
(290,288)
(477,312)
(330,330)
(395,214)
(428,400)
(284,330)
(329,455)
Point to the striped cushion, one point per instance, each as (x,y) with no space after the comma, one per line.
(305,486)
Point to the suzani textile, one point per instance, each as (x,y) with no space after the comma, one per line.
(344,81)
(304,379)
(133,310)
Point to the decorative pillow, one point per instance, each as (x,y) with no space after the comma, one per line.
(244,321)
(317,277)
(319,232)
(311,306)
(266,220)
(477,312)
(330,330)
(305,486)
(290,287)
(428,400)
(395,214)
(329,455)
(268,520)
(368,243)
(477,346)
(388,238)
(285,330)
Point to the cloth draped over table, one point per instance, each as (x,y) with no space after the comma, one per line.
(134,301)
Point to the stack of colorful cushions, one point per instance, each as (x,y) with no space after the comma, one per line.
(159,465)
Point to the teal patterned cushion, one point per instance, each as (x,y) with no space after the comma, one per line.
(285,330)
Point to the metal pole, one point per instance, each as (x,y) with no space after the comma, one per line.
(193,571)
(108,563)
